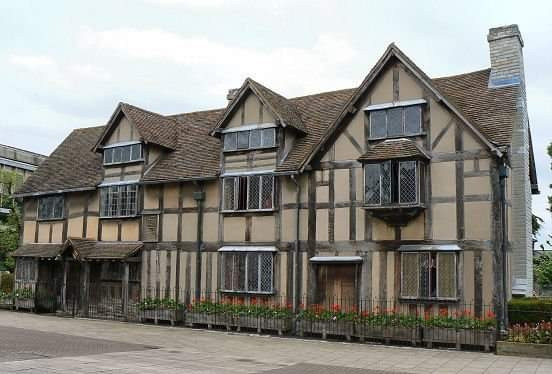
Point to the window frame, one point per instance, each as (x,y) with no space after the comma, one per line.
(236,180)
(104,189)
(246,254)
(403,133)
(121,146)
(456,258)
(51,216)
(395,180)
(237,133)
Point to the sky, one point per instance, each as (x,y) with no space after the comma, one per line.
(66,64)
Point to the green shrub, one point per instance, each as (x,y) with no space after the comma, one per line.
(6,283)
(529,310)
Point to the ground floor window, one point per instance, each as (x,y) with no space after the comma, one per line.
(429,275)
(248,272)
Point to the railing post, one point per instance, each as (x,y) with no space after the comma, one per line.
(124,293)
(85,288)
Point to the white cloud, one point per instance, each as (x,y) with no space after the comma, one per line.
(191,3)
(292,69)
(32,62)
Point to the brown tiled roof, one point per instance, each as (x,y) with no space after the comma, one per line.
(153,128)
(318,113)
(72,165)
(86,249)
(491,110)
(393,148)
(285,108)
(197,154)
(38,250)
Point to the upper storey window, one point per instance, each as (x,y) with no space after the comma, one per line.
(395,121)
(253,192)
(116,154)
(50,207)
(119,200)
(249,139)
(392,182)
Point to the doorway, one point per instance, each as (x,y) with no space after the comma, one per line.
(337,285)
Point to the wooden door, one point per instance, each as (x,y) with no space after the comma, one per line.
(336,284)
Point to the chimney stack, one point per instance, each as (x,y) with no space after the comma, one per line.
(232,93)
(506,50)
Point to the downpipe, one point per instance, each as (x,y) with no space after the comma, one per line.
(503,175)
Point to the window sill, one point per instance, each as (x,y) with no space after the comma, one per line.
(50,219)
(249,293)
(246,212)
(429,300)
(249,149)
(398,136)
(124,162)
(119,217)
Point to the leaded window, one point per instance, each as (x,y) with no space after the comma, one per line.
(428,275)
(254,192)
(395,121)
(391,182)
(251,272)
(51,207)
(123,154)
(119,200)
(249,139)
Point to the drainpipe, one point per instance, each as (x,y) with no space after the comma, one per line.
(503,174)
(296,249)
(199,197)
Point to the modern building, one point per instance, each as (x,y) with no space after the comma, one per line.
(406,188)
(17,160)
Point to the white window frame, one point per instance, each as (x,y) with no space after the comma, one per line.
(246,253)
(241,130)
(429,253)
(386,109)
(123,145)
(236,193)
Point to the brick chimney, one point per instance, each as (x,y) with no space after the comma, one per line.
(506,50)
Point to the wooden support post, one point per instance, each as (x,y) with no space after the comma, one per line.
(64,286)
(126,275)
(85,288)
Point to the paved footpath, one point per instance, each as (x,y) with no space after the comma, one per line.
(45,344)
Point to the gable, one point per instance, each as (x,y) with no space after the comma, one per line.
(249,111)
(122,131)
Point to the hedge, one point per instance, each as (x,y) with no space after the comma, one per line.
(6,283)
(529,310)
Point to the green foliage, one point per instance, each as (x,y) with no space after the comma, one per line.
(543,270)
(10,224)
(541,333)
(240,309)
(155,303)
(523,310)
(536,225)
(23,293)
(6,283)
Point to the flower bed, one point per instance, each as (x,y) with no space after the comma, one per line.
(332,321)
(254,315)
(6,299)
(24,298)
(540,333)
(460,328)
(161,310)
(389,326)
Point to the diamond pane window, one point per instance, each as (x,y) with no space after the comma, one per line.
(250,272)
(267,192)
(119,201)
(378,124)
(51,207)
(412,119)
(395,122)
(229,194)
(428,275)
(372,175)
(136,152)
(254,192)
(408,187)
(230,141)
(255,139)
(386,183)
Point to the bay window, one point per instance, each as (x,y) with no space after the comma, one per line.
(253,192)
(429,275)
(119,200)
(392,182)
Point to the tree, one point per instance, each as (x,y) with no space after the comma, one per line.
(10,224)
(543,270)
